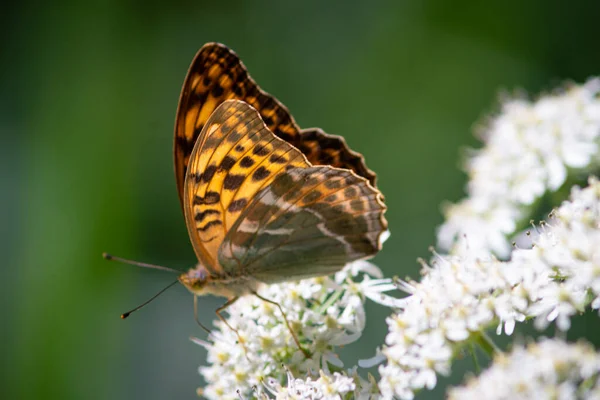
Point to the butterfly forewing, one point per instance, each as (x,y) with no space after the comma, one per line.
(217,74)
(235,157)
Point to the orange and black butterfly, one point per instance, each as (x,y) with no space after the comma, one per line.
(264,201)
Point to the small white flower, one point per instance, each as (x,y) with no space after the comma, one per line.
(550,369)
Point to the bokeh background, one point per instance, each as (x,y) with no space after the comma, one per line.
(89,92)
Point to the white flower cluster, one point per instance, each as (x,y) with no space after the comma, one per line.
(452,300)
(336,386)
(326,387)
(460,296)
(561,273)
(550,369)
(529,149)
(323,312)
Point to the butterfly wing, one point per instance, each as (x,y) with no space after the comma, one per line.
(308,222)
(321,148)
(234,158)
(217,74)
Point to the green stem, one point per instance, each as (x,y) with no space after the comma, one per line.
(487,344)
(332,299)
(472,350)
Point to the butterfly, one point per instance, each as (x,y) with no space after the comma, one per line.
(264,202)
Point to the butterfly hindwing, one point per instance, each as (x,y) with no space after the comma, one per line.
(308,222)
(234,158)
(216,75)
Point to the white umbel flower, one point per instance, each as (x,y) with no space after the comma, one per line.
(529,149)
(326,387)
(550,369)
(324,313)
(451,302)
(460,296)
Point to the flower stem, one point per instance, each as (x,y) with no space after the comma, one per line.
(473,350)
(330,301)
(487,344)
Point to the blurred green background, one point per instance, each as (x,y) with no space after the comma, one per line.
(89,92)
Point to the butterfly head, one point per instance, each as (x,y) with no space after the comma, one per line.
(195,279)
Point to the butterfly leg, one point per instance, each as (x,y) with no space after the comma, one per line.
(222,318)
(306,353)
(196,315)
(224,306)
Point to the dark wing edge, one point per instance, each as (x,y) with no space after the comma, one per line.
(334,151)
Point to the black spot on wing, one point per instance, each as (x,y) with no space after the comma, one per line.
(268,120)
(217,90)
(237,89)
(350,192)
(277,159)
(333,184)
(247,162)
(260,174)
(233,181)
(202,215)
(284,135)
(208,173)
(281,184)
(209,224)
(312,196)
(227,163)
(209,198)
(260,150)
(237,205)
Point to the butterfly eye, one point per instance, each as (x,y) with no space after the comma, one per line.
(199,273)
(194,279)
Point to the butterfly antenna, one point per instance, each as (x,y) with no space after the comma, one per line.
(125,315)
(138,264)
